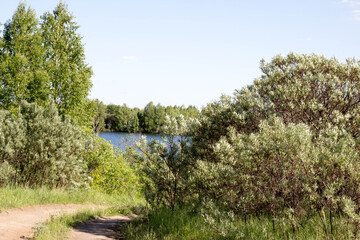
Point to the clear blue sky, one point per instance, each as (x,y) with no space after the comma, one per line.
(192,51)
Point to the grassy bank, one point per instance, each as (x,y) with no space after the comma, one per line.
(12,197)
(182,224)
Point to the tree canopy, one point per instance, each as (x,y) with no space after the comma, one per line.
(43,61)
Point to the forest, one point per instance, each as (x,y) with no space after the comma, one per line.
(278,159)
(121,118)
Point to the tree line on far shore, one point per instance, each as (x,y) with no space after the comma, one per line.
(150,119)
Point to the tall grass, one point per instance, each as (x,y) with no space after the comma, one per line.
(12,197)
(185,225)
(163,224)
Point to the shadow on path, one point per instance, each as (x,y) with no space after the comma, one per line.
(100,229)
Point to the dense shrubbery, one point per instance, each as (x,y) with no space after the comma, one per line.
(286,147)
(281,170)
(37,147)
(306,89)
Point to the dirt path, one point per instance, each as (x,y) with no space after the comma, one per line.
(100,229)
(18,223)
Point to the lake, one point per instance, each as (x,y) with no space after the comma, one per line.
(122,140)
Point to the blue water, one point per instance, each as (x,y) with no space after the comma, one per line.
(124,140)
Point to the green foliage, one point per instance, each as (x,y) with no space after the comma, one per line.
(165,165)
(162,223)
(121,118)
(22,76)
(213,223)
(282,169)
(299,88)
(6,172)
(149,120)
(19,196)
(312,89)
(109,170)
(99,116)
(40,147)
(68,72)
(44,62)
(286,146)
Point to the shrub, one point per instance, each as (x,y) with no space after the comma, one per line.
(38,147)
(108,168)
(165,166)
(288,145)
(284,171)
(299,88)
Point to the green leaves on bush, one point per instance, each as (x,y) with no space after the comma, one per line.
(299,88)
(286,146)
(108,169)
(37,147)
(165,165)
(281,167)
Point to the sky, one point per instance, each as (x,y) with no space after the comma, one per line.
(190,52)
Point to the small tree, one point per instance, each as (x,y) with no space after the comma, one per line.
(165,166)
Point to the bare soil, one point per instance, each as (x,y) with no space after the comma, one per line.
(19,223)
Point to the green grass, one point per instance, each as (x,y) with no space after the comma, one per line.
(162,224)
(184,224)
(13,197)
(58,228)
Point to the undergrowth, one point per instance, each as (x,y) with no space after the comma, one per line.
(187,225)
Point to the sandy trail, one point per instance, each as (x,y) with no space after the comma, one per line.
(100,229)
(18,223)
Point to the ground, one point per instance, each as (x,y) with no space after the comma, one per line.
(20,223)
(100,229)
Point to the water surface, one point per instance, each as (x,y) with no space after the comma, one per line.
(123,140)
